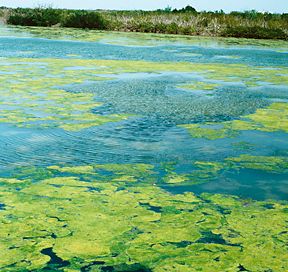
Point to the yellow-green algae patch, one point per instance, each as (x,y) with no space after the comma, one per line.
(208,131)
(136,39)
(206,171)
(68,224)
(271,119)
(199,86)
(32,89)
(86,169)
(175,178)
(272,164)
(31,96)
(265,163)
(11,181)
(120,172)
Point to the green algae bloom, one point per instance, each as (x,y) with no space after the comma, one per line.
(87,223)
(175,178)
(265,163)
(11,181)
(203,171)
(207,171)
(37,100)
(271,119)
(39,93)
(137,39)
(199,86)
(69,216)
(208,131)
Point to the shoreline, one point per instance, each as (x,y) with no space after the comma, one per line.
(149,39)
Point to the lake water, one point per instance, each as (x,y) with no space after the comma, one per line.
(137,152)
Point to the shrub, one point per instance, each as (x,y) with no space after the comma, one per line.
(248,24)
(172,28)
(186,9)
(35,17)
(84,19)
(255,32)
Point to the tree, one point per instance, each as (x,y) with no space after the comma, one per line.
(190,9)
(168,9)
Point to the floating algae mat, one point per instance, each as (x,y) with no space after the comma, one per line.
(136,152)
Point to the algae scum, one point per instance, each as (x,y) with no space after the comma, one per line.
(131,152)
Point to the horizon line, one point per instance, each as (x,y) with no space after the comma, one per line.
(162,9)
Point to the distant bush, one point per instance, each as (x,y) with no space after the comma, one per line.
(43,16)
(187,21)
(84,19)
(255,32)
(35,17)
(284,16)
(186,9)
(248,14)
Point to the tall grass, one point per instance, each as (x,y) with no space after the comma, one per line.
(187,21)
(203,23)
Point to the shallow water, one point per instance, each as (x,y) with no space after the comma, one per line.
(169,117)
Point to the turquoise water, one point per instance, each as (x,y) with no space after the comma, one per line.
(154,92)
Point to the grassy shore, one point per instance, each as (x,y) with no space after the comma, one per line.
(187,21)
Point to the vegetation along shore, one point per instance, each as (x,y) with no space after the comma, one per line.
(186,21)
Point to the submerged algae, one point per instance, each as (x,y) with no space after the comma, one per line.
(108,226)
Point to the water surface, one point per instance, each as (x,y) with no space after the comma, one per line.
(191,133)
